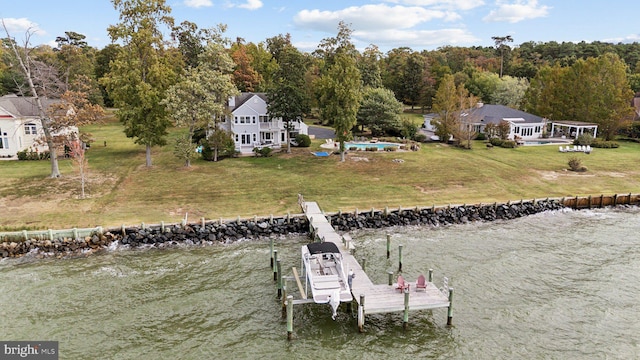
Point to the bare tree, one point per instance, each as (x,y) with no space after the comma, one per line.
(32,69)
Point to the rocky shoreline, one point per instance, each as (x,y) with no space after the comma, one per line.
(224,233)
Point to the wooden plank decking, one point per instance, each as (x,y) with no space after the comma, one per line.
(378,298)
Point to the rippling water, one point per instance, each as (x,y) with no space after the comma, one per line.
(562,285)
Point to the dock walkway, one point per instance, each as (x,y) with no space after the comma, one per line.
(379,298)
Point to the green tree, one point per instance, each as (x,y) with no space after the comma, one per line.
(510,91)
(369,66)
(413,79)
(221,142)
(287,98)
(199,99)
(501,46)
(141,74)
(339,90)
(379,111)
(446,105)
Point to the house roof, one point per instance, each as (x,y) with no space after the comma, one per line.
(487,113)
(245,96)
(20,106)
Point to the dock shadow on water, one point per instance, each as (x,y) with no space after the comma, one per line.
(553,285)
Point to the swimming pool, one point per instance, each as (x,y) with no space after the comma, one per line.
(364,146)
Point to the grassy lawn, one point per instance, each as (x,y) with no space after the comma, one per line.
(121,190)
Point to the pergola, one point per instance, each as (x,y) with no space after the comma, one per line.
(573,128)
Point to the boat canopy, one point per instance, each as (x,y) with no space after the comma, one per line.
(321,248)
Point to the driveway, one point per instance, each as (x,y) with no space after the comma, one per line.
(321,133)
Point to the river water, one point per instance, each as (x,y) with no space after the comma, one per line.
(557,285)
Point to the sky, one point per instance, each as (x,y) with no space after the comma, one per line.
(388,24)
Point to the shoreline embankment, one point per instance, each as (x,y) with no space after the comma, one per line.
(50,244)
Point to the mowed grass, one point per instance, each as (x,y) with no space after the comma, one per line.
(122,190)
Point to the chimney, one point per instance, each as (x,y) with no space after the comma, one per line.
(479,105)
(232,102)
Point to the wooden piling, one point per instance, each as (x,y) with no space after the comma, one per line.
(289,317)
(450,308)
(283,281)
(390,273)
(400,258)
(363,264)
(405,320)
(271,251)
(275,269)
(430,275)
(361,314)
(388,245)
(279,276)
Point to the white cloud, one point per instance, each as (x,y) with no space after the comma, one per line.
(248,4)
(631,38)
(442,4)
(370,17)
(416,38)
(518,11)
(20,26)
(198,3)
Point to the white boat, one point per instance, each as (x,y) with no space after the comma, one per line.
(325,274)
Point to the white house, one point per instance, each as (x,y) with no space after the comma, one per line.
(252,127)
(20,125)
(522,124)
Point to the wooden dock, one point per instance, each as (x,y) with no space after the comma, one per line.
(375,298)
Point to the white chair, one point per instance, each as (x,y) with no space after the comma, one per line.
(561,149)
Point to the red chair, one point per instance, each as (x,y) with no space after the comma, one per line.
(401,285)
(421,284)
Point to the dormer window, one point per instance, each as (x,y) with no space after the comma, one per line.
(30,129)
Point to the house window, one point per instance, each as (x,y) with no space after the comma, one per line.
(255,138)
(264,118)
(237,138)
(30,129)
(253,118)
(246,139)
(235,120)
(4,140)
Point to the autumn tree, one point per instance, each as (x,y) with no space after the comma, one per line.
(141,74)
(246,78)
(592,90)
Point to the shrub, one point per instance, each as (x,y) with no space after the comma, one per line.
(420,137)
(481,136)
(509,144)
(390,148)
(372,148)
(584,139)
(496,141)
(32,155)
(352,148)
(602,144)
(575,164)
(303,140)
(266,151)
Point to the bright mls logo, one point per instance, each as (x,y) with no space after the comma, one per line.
(32,350)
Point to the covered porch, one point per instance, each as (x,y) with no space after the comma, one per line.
(572,129)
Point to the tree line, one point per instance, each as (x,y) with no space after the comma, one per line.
(156,82)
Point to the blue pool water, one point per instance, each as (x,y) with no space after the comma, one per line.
(364,146)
